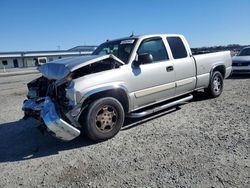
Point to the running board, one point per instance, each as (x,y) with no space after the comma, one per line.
(159,108)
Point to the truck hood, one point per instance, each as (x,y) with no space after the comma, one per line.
(61,68)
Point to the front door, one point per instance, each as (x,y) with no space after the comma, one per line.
(154,81)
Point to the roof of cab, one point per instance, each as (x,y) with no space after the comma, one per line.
(145,36)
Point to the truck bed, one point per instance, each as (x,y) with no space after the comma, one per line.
(206,62)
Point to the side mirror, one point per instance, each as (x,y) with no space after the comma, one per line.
(143,59)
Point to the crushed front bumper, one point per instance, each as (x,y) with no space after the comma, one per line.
(51,118)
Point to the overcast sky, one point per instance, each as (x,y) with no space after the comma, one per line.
(54,24)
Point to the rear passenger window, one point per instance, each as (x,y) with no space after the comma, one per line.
(177,47)
(155,47)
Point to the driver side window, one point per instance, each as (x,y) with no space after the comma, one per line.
(155,47)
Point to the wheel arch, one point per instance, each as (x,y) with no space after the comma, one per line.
(118,92)
(221,68)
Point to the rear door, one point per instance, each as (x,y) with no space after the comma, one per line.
(184,66)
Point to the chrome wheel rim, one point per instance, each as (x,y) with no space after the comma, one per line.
(106,118)
(217,83)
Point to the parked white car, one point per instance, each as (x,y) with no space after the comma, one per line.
(241,62)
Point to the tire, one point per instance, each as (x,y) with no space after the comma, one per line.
(104,119)
(215,87)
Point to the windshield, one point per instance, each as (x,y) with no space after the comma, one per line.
(245,52)
(120,48)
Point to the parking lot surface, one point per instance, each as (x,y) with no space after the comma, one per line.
(204,143)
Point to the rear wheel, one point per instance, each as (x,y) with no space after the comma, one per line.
(104,119)
(215,87)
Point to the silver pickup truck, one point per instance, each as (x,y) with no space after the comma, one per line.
(128,77)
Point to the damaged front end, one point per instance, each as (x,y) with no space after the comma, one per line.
(51,98)
(47,107)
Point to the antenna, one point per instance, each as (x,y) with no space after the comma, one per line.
(132,34)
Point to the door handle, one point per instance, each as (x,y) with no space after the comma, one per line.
(169,68)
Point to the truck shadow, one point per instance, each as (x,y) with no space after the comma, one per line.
(199,96)
(21,140)
(134,122)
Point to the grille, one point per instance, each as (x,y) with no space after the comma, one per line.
(241,64)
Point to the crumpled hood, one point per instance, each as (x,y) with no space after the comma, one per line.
(61,68)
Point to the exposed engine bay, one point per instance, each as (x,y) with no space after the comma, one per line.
(99,66)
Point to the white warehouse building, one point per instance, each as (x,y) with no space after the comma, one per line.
(33,58)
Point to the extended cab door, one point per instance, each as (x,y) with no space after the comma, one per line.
(184,65)
(154,81)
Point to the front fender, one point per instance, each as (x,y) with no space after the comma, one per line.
(100,88)
(83,95)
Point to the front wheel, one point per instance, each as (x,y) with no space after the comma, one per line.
(216,85)
(104,119)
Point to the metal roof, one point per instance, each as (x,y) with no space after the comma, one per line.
(83,48)
(73,51)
